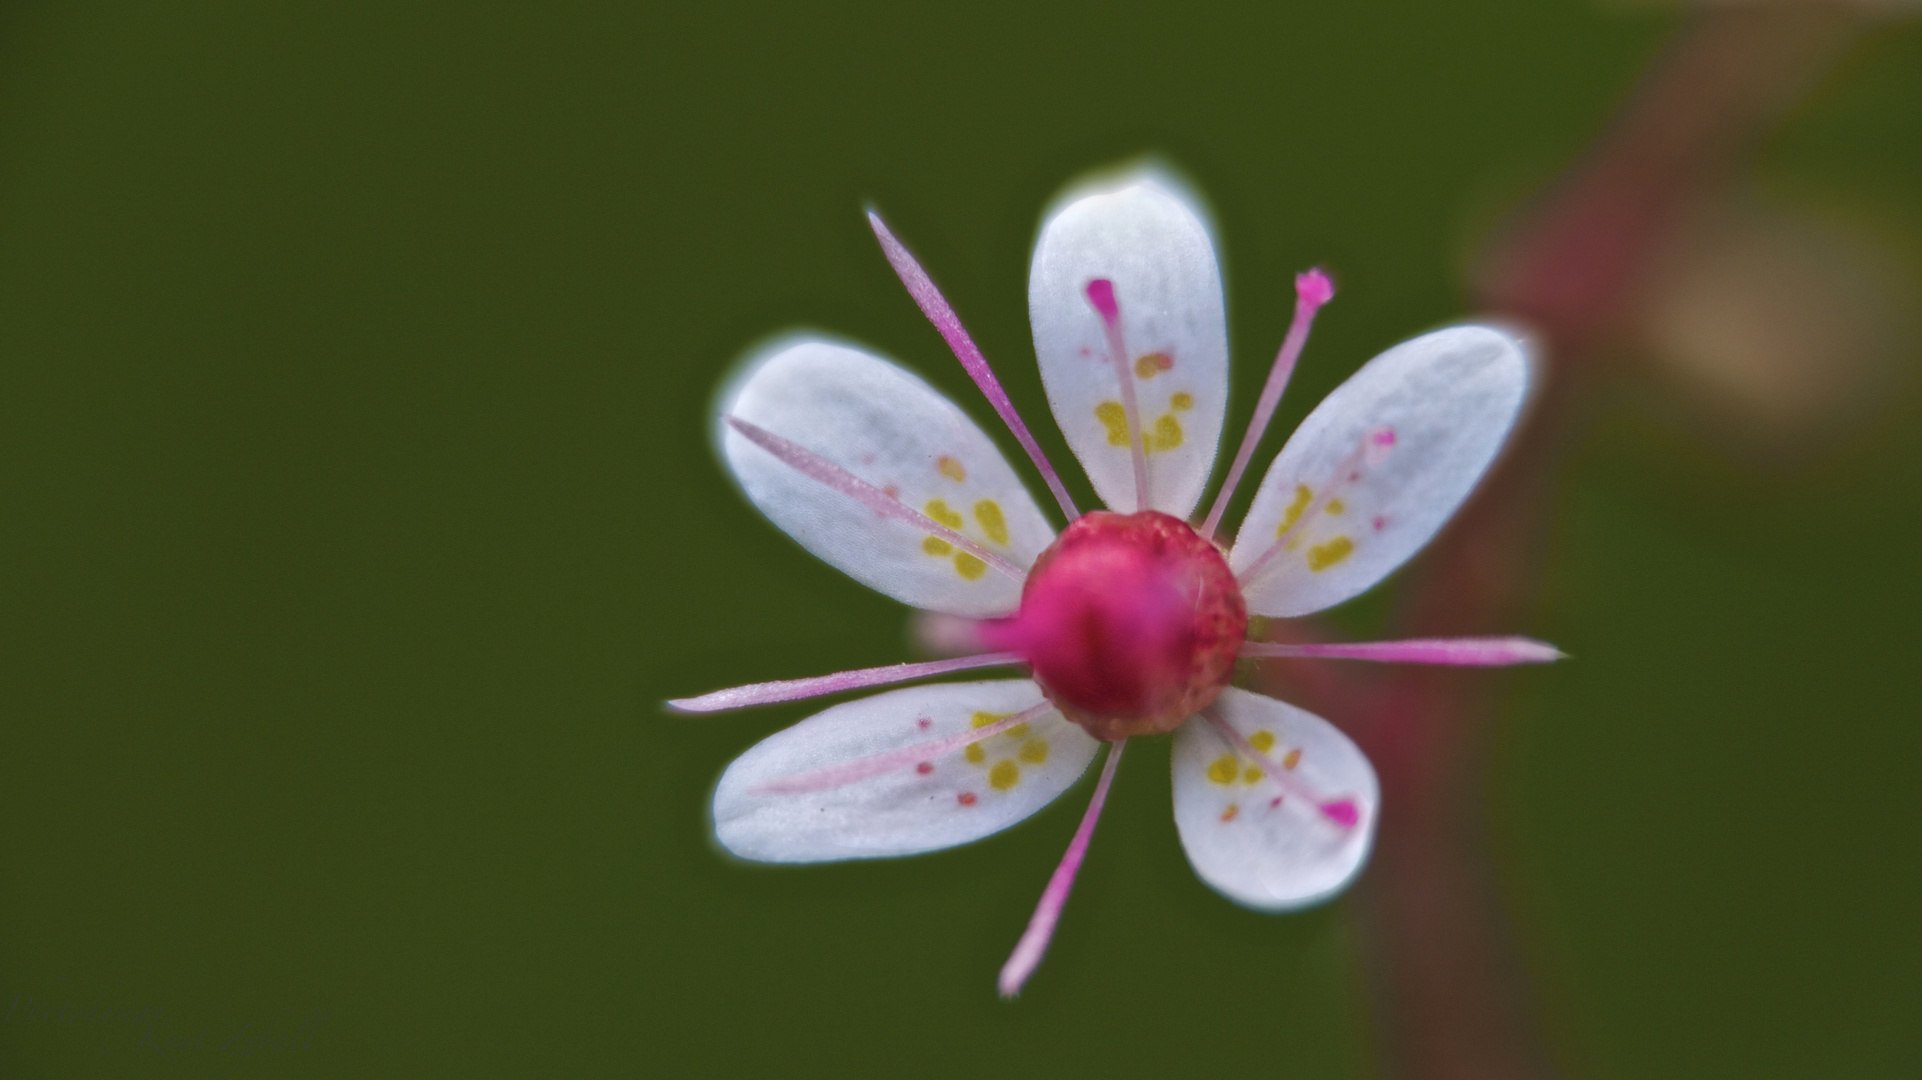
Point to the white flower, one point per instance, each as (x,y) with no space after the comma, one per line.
(1130,621)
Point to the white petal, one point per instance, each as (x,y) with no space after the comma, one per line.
(1250,839)
(889,428)
(1147,240)
(962,796)
(1448,400)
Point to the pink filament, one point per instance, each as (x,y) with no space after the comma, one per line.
(861,768)
(1034,940)
(935,307)
(1458,652)
(1101,295)
(1342,811)
(815,467)
(740,697)
(1312,290)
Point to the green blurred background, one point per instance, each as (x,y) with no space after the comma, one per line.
(357,513)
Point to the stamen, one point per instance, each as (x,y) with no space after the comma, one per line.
(861,768)
(1101,295)
(1034,940)
(765,693)
(815,467)
(935,307)
(1375,446)
(1457,652)
(1341,811)
(1312,290)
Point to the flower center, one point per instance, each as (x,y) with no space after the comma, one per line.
(1130,621)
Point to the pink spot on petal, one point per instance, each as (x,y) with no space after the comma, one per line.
(924,723)
(1342,812)
(1101,295)
(1274,802)
(966,798)
(1379,443)
(924,768)
(1380,523)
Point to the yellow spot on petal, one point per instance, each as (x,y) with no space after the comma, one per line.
(1115,419)
(988,513)
(1336,506)
(983,719)
(1251,776)
(1303,497)
(968,566)
(1229,814)
(1166,435)
(951,468)
(1034,751)
(936,546)
(1019,731)
(1182,401)
(1323,556)
(1262,740)
(939,510)
(1224,769)
(1293,759)
(976,754)
(1004,775)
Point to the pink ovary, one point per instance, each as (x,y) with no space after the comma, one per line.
(1378,445)
(1131,623)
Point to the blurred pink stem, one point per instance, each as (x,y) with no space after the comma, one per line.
(1449,986)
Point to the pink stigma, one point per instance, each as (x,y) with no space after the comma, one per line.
(1342,812)
(1101,295)
(1130,621)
